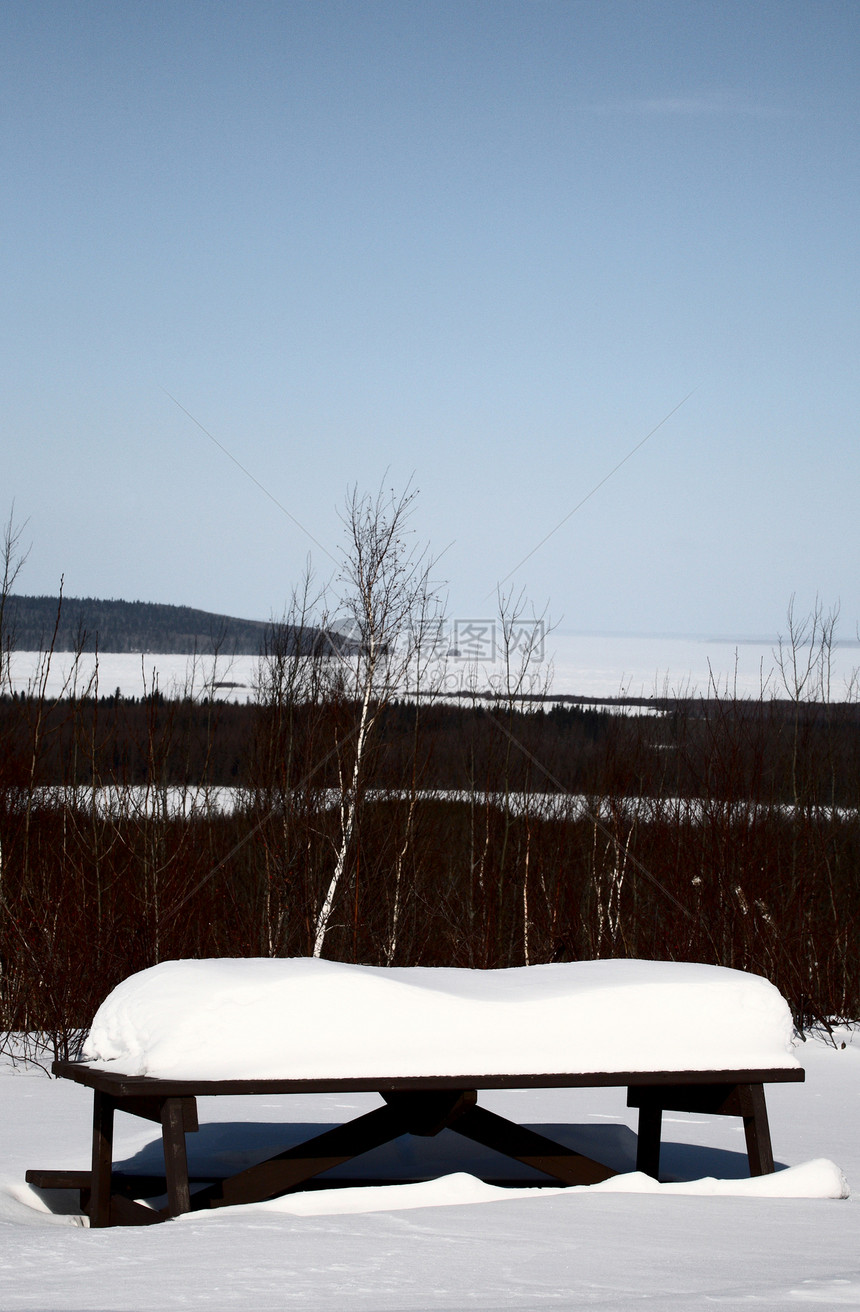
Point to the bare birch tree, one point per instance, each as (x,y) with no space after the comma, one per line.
(386,599)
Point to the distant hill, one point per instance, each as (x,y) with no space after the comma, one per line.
(140,626)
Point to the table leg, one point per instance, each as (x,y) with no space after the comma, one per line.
(756,1128)
(175,1157)
(100,1184)
(648,1139)
(744,1100)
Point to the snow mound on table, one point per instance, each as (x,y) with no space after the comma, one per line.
(303,1018)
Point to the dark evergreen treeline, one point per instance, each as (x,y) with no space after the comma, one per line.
(88,624)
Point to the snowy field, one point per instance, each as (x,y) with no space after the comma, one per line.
(577,665)
(456,1244)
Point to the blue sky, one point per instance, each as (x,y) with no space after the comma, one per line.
(488,246)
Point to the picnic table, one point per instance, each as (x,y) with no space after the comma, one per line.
(183,1030)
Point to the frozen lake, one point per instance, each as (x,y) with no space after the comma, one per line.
(594,665)
(584,665)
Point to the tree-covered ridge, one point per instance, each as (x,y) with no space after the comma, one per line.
(89,624)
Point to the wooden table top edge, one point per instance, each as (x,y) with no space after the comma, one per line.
(121,1085)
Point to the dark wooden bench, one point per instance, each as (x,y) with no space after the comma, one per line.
(412,1105)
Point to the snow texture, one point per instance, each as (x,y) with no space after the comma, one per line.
(454,1242)
(304,1018)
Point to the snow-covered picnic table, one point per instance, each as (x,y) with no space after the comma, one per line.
(679,1036)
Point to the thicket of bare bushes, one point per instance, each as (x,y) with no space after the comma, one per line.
(766,750)
(720,830)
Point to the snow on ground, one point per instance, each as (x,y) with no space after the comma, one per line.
(454,1243)
(301,1018)
(226,799)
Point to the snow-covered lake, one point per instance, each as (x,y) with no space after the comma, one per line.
(456,1243)
(584,665)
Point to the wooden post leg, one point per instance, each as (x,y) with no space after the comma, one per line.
(756,1129)
(100,1183)
(175,1157)
(648,1138)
